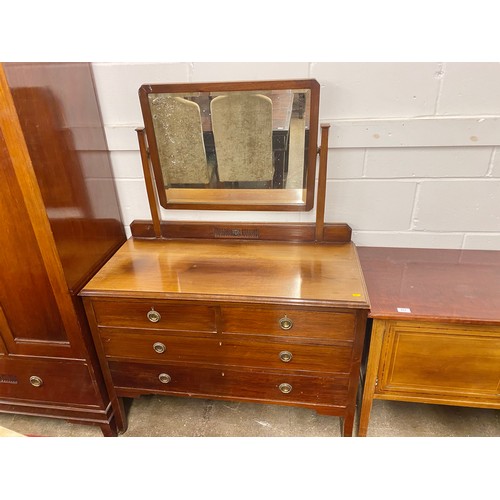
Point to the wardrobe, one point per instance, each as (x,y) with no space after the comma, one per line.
(60,222)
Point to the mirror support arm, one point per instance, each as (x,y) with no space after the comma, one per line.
(150,188)
(320,204)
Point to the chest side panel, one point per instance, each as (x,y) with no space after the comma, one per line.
(438,358)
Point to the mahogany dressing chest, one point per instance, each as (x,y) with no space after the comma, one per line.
(263,312)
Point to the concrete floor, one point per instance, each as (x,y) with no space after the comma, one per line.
(163,416)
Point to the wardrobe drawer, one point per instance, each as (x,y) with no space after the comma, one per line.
(53,381)
(245,385)
(155,314)
(233,350)
(290,322)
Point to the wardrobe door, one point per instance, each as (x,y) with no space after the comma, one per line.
(31,317)
(59,115)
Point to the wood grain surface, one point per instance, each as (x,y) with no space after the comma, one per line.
(433,284)
(307,273)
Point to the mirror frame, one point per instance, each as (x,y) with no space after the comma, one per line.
(195,200)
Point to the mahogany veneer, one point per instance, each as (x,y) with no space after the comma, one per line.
(270,322)
(436,327)
(58,228)
(270,313)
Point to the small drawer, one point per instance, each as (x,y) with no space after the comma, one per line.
(239,351)
(232,384)
(155,314)
(51,381)
(154,346)
(290,322)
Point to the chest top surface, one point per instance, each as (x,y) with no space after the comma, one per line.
(433,284)
(301,273)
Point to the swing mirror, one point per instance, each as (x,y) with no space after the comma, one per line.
(233,146)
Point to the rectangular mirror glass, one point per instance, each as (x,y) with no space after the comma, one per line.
(233,146)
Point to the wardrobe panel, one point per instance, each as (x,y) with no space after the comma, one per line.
(26,296)
(60,118)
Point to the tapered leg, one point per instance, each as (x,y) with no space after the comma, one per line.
(347,424)
(377,337)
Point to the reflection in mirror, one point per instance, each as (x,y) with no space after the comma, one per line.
(243,137)
(179,136)
(237,146)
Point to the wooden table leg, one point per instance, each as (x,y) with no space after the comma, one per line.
(377,337)
(119,422)
(120,415)
(109,430)
(347,423)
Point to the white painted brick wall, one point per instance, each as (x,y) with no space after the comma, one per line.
(460,205)
(470,89)
(378,205)
(373,90)
(346,163)
(220,72)
(414,155)
(495,164)
(118,84)
(452,162)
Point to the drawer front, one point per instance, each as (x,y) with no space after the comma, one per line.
(290,322)
(172,317)
(213,382)
(51,381)
(155,346)
(286,356)
(232,350)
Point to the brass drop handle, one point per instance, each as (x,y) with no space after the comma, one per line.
(286,356)
(164,378)
(153,316)
(36,381)
(159,347)
(285,388)
(286,323)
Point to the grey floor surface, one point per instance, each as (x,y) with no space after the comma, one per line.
(163,416)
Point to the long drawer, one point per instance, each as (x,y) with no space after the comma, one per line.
(155,314)
(53,380)
(213,382)
(233,350)
(288,321)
